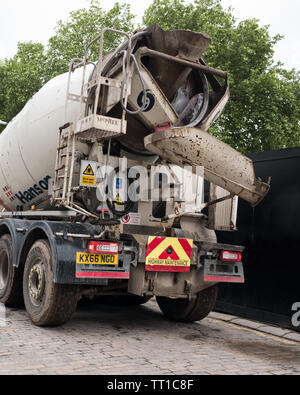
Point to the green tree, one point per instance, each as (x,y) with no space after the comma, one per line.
(263,112)
(21,77)
(81,27)
(33,65)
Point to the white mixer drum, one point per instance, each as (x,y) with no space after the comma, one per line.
(28,143)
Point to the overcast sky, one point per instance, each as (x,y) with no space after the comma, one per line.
(25,20)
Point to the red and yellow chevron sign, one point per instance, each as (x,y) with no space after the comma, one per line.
(168,254)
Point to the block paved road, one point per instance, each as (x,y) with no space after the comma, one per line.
(103,339)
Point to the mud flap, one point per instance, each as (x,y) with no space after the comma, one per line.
(216,271)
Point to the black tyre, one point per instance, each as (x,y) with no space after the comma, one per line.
(10,276)
(183,310)
(47,303)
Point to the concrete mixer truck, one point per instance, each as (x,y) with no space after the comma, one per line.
(111,186)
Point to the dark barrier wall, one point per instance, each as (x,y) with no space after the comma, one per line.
(271,234)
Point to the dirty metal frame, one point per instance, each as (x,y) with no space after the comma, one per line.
(193,213)
(92,121)
(144,51)
(68,139)
(66,199)
(100,67)
(99,80)
(37,213)
(72,67)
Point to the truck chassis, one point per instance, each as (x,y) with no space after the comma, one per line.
(38,266)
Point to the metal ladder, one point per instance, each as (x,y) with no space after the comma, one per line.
(93,127)
(98,126)
(62,185)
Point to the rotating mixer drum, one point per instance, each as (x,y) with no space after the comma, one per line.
(172,99)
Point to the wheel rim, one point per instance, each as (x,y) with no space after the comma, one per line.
(36,283)
(3,269)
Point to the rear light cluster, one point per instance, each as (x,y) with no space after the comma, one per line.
(102,247)
(231,256)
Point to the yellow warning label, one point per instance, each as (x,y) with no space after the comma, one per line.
(89,171)
(90,181)
(118,201)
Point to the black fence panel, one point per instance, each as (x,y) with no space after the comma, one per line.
(271,234)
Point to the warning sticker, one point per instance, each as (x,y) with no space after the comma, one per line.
(131,219)
(119,183)
(90,181)
(168,254)
(88,172)
(118,201)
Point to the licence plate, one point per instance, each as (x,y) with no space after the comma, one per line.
(84,258)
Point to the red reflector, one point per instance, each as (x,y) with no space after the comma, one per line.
(163,127)
(231,256)
(102,247)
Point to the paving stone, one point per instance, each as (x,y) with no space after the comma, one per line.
(292,336)
(221,316)
(274,330)
(247,323)
(121,340)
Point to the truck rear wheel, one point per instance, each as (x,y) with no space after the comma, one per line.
(47,303)
(10,276)
(184,310)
